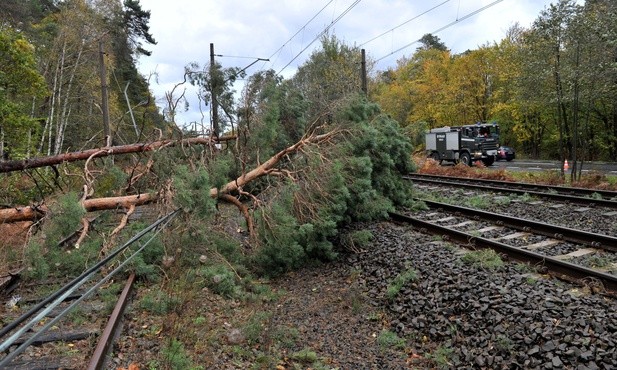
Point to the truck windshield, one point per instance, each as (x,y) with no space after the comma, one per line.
(489,131)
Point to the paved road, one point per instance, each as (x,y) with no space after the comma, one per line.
(542,165)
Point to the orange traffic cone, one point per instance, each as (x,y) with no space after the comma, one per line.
(566,166)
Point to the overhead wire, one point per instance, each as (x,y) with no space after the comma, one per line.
(300,29)
(322,33)
(443,28)
(404,23)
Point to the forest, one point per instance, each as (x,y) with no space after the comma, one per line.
(551,87)
(300,157)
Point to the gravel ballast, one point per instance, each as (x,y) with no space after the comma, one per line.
(465,316)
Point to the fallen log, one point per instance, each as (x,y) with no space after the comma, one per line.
(22,164)
(30,213)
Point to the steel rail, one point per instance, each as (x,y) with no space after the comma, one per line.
(603,241)
(83,277)
(560,197)
(560,269)
(102,348)
(4,345)
(607,194)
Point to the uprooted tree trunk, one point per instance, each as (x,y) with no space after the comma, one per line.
(17,165)
(235,186)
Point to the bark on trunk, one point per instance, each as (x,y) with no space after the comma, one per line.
(33,212)
(23,164)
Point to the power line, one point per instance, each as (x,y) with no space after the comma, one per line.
(321,33)
(443,28)
(404,23)
(300,29)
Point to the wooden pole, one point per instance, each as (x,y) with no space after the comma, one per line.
(104,101)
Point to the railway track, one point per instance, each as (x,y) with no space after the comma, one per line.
(63,344)
(603,198)
(578,255)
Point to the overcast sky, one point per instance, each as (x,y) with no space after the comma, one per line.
(243,30)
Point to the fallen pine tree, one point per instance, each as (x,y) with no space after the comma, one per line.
(33,212)
(23,164)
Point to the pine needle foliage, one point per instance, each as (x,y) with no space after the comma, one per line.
(65,219)
(357,178)
(193,191)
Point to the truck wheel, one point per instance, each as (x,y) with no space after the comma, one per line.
(465,159)
(435,156)
(488,161)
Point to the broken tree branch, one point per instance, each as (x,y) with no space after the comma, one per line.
(268,165)
(17,165)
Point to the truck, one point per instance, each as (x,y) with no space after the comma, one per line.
(465,144)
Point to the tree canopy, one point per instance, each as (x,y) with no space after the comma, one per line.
(551,87)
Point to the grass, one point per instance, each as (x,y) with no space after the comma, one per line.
(175,357)
(254,328)
(599,261)
(158,302)
(286,337)
(305,356)
(479,202)
(397,283)
(441,356)
(389,339)
(484,258)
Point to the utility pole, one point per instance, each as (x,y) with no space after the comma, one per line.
(363,73)
(215,106)
(104,101)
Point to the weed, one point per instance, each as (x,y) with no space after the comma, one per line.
(159,303)
(38,268)
(479,201)
(175,357)
(504,344)
(355,274)
(265,361)
(305,356)
(199,320)
(220,279)
(388,339)
(397,283)
(502,201)
(599,261)
(357,302)
(77,316)
(523,267)
(441,356)
(484,258)
(453,329)
(525,197)
(285,337)
(530,280)
(254,328)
